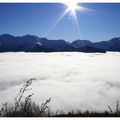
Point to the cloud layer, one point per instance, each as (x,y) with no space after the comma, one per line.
(73,80)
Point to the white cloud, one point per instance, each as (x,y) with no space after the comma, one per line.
(73,80)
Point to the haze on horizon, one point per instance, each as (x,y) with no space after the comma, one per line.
(99,23)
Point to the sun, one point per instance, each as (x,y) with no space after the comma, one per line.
(72,6)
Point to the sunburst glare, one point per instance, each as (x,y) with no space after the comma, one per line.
(72,7)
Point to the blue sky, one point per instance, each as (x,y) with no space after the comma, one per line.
(100,23)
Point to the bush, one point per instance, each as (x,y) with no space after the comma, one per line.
(27,108)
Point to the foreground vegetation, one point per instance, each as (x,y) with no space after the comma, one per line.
(25,107)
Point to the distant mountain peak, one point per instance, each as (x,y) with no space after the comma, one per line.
(6,35)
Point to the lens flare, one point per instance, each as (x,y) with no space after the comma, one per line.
(71,6)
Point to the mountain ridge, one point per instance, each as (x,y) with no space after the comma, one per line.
(33,43)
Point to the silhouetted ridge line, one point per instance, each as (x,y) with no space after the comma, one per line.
(32,43)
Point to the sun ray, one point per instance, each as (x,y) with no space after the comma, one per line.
(58,20)
(72,7)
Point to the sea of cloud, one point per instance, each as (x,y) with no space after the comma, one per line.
(73,80)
